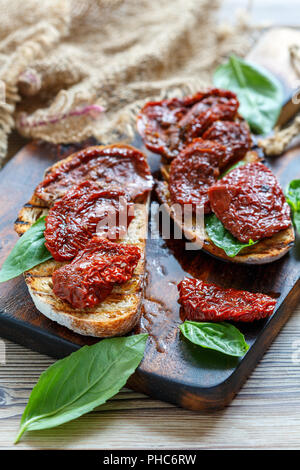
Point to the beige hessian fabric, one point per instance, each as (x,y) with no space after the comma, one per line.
(70,69)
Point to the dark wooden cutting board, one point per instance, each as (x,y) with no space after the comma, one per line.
(173,369)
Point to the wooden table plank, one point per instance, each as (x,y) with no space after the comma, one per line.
(265,413)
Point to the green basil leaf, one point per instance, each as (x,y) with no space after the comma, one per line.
(222,237)
(77,384)
(222,337)
(236,165)
(29,251)
(296,220)
(259,92)
(293,198)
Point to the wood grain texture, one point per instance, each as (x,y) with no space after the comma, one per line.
(265,413)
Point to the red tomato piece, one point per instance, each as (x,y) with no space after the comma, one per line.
(84,211)
(193,172)
(118,165)
(91,276)
(168,126)
(201,301)
(235,136)
(250,203)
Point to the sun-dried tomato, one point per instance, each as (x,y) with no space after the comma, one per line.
(235,136)
(250,203)
(84,211)
(118,165)
(91,276)
(193,172)
(168,126)
(201,301)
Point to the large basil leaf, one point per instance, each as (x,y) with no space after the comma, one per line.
(29,251)
(222,337)
(259,92)
(77,384)
(222,237)
(293,198)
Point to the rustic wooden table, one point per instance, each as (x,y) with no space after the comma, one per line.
(265,413)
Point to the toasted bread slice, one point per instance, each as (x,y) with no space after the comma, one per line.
(265,251)
(119,312)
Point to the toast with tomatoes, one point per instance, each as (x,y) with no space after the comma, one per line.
(265,251)
(118,313)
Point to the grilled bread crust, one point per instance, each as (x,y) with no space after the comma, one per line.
(119,312)
(265,251)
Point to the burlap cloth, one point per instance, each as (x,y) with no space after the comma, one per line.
(70,69)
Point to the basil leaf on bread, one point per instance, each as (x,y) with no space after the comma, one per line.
(222,238)
(28,252)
